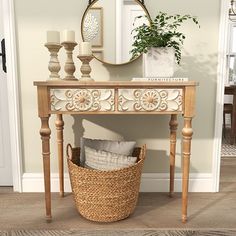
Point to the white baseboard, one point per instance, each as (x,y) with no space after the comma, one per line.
(201,182)
(33,182)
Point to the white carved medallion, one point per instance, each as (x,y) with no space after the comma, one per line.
(150,100)
(82,100)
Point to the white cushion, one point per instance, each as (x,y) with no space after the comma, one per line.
(119,147)
(102,160)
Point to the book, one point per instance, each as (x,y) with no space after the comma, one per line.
(161,79)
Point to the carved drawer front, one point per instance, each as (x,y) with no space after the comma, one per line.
(83,100)
(150,100)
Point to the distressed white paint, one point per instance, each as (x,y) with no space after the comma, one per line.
(132,100)
(82,100)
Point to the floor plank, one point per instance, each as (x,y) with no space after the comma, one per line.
(154,210)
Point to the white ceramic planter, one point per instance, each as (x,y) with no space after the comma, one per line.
(159,62)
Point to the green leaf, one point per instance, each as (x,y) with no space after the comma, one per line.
(162,32)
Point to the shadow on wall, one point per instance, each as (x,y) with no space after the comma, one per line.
(203,69)
(125,72)
(152,129)
(200,67)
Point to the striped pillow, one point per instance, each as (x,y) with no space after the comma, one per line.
(102,160)
(120,147)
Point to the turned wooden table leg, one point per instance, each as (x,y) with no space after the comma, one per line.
(187,133)
(173,128)
(60,126)
(45,136)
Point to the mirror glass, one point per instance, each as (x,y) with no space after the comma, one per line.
(108,25)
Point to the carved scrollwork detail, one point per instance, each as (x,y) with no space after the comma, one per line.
(82,100)
(150,100)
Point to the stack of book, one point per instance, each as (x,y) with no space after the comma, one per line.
(161,79)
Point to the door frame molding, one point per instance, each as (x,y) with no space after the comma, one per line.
(13,93)
(221,75)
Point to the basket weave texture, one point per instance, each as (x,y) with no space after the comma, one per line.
(105,196)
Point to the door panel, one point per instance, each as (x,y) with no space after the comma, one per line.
(5,150)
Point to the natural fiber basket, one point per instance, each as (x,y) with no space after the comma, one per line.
(105,196)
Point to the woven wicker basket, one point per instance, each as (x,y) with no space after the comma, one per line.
(105,196)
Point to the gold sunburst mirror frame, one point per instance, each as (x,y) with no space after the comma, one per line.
(102,50)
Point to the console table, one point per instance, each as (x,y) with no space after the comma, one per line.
(116,98)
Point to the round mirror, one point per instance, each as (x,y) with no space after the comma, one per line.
(108,25)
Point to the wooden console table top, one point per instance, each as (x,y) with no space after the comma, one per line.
(117,98)
(113,83)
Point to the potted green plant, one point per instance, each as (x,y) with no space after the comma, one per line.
(160,42)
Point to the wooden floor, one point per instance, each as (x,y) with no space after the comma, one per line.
(154,210)
(228,175)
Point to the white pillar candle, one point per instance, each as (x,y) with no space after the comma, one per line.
(85,49)
(68,36)
(53,37)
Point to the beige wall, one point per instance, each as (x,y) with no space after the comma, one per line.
(34,18)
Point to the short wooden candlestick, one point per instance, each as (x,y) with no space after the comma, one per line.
(85,68)
(69,65)
(54,65)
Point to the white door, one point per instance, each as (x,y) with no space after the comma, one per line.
(131,11)
(126,14)
(5,151)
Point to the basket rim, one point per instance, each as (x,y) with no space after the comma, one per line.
(143,150)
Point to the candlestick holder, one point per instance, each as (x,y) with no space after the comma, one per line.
(85,67)
(54,65)
(69,65)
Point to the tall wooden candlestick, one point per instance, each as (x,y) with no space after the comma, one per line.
(54,65)
(69,66)
(85,68)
